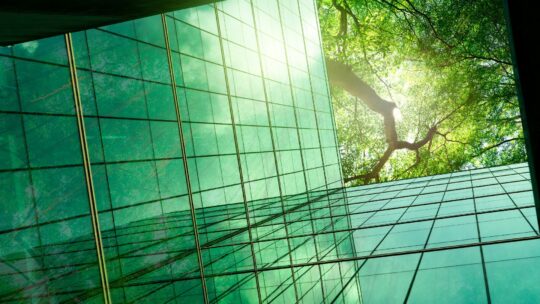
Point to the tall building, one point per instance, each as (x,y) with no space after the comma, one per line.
(191,157)
(137,155)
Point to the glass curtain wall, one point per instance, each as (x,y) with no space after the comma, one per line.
(191,157)
(157,159)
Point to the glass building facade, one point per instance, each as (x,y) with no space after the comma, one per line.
(191,157)
(141,161)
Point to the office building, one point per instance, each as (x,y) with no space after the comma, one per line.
(191,156)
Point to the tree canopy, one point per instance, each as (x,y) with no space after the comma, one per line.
(420,87)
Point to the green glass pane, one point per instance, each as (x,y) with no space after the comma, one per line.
(113,54)
(377,274)
(160,102)
(132,183)
(18,210)
(60,193)
(512,262)
(8,85)
(453,276)
(126,139)
(154,63)
(131,103)
(44,88)
(13,154)
(52,140)
(51,49)
(150,29)
(165,137)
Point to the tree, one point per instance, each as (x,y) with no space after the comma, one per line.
(420,87)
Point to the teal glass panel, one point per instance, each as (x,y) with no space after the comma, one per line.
(453,231)
(377,275)
(8,84)
(502,225)
(232,288)
(140,181)
(48,250)
(453,276)
(52,140)
(52,50)
(44,88)
(256,118)
(513,262)
(126,139)
(406,237)
(13,155)
(129,104)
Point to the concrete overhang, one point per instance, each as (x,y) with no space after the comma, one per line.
(27,20)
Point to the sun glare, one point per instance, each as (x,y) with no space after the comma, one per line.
(397,114)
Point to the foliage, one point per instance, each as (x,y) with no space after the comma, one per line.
(438,60)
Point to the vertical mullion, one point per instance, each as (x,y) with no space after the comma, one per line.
(425,246)
(518,208)
(374,248)
(238,158)
(154,162)
(87,169)
(105,166)
(300,146)
(353,244)
(318,135)
(285,225)
(184,160)
(328,92)
(30,178)
(484,271)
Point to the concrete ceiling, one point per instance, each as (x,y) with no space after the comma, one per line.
(26,20)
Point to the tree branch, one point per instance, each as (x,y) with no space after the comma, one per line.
(496,145)
(342,18)
(341,75)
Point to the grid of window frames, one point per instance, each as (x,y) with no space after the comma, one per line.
(193,121)
(465,237)
(215,177)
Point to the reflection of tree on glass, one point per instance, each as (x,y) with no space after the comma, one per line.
(438,73)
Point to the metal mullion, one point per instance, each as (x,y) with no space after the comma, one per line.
(30,179)
(293,275)
(372,251)
(105,167)
(320,143)
(293,99)
(307,235)
(364,261)
(520,211)
(234,287)
(21,112)
(306,240)
(352,230)
(376,256)
(434,178)
(149,120)
(32,59)
(482,259)
(262,222)
(359,227)
(425,246)
(237,149)
(87,170)
(151,292)
(184,160)
(298,246)
(355,262)
(328,92)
